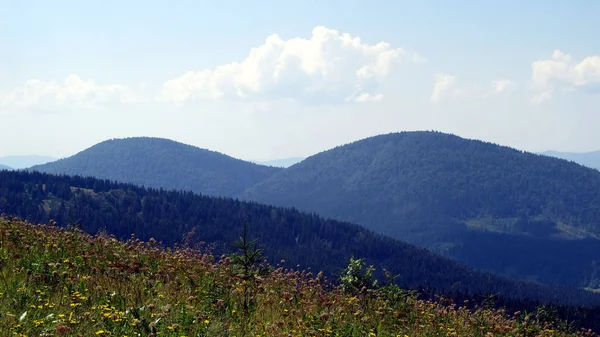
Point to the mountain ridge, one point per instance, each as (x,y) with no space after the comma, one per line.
(18,162)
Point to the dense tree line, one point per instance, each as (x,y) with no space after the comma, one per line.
(299,238)
(515,213)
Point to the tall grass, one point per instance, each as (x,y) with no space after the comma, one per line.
(58,282)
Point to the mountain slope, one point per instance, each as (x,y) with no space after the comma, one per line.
(25,161)
(157,162)
(589,159)
(299,238)
(4,167)
(514,213)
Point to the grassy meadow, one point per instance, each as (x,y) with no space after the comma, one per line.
(63,282)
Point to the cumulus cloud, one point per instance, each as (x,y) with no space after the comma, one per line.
(446,86)
(561,73)
(503,85)
(329,67)
(75,91)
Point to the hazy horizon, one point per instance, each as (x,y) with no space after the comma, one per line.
(265,161)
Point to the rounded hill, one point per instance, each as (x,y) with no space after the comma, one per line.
(486,205)
(162,163)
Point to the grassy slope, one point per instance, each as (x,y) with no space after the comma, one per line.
(55,282)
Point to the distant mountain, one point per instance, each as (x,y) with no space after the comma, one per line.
(21,162)
(518,214)
(287,162)
(298,238)
(157,162)
(4,167)
(589,159)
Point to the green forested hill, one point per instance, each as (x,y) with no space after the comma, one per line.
(298,238)
(157,162)
(516,213)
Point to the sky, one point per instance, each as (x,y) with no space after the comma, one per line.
(261,80)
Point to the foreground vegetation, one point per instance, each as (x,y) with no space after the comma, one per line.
(63,282)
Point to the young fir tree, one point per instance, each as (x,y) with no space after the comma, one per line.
(249,257)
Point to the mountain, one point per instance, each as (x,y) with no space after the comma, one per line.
(157,162)
(287,162)
(181,217)
(4,167)
(514,213)
(481,204)
(21,162)
(589,159)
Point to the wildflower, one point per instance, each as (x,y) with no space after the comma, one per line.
(62,329)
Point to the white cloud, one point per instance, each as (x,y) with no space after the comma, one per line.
(73,92)
(330,67)
(503,85)
(445,87)
(562,73)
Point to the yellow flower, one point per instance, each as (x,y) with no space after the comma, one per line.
(100,332)
(206,321)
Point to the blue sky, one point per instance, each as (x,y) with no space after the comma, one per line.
(519,73)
